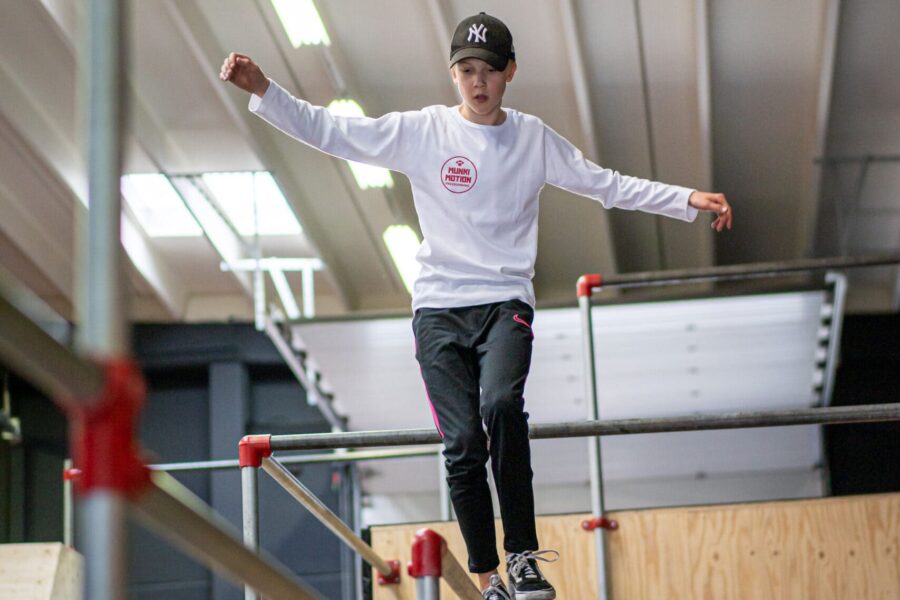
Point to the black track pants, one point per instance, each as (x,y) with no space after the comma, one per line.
(474,362)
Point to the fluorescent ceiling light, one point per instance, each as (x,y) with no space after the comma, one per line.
(302,22)
(158,207)
(366,176)
(235,194)
(403,244)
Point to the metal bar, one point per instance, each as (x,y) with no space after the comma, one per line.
(274,262)
(48,365)
(832,415)
(428,588)
(104,331)
(68,508)
(595,462)
(102,513)
(328,457)
(300,493)
(309,293)
(751,271)
(173,511)
(250,514)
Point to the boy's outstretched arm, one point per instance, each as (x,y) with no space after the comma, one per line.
(714,203)
(240,70)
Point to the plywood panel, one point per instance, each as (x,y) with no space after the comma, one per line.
(560,533)
(834,548)
(40,572)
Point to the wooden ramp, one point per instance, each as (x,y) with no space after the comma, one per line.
(40,572)
(832,548)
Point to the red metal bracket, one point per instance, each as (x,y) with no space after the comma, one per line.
(599,523)
(394,577)
(427,554)
(72,474)
(587,283)
(253,448)
(102,433)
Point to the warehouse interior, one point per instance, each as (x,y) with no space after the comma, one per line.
(267,283)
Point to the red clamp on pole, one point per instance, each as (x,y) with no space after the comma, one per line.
(102,433)
(599,523)
(253,448)
(71,474)
(427,554)
(394,577)
(587,283)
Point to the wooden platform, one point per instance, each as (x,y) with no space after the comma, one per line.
(40,572)
(832,548)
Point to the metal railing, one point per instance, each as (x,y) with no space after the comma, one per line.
(588,284)
(256,452)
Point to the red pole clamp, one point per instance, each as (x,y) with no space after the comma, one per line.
(394,577)
(587,283)
(102,433)
(253,448)
(599,523)
(427,554)
(71,474)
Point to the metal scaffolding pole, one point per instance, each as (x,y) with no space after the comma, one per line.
(103,330)
(833,415)
(735,272)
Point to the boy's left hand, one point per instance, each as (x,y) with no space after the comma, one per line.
(714,203)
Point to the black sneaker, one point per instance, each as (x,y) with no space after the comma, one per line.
(525,579)
(496,591)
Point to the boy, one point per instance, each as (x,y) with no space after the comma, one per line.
(476,171)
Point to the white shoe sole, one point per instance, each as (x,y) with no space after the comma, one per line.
(541,595)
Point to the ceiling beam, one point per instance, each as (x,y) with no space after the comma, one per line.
(807,223)
(196,32)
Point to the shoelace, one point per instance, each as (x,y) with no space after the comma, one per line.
(521,566)
(496,591)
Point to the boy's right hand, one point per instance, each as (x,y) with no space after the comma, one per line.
(240,70)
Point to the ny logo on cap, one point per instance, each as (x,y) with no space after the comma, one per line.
(478,32)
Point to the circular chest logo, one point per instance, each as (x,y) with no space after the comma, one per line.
(459,174)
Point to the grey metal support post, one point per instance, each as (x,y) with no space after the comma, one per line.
(595,464)
(101,294)
(68,507)
(444,489)
(428,588)
(249,496)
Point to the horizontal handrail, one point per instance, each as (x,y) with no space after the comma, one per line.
(303,459)
(174,512)
(324,514)
(590,283)
(831,415)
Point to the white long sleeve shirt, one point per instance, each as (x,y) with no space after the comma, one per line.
(475,188)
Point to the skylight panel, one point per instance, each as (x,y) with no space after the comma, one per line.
(367,176)
(157,206)
(403,244)
(302,22)
(235,194)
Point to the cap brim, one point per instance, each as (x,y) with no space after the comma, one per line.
(491,58)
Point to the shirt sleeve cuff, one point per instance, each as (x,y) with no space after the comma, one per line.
(256,103)
(690,213)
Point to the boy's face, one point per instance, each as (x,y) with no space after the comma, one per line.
(481,86)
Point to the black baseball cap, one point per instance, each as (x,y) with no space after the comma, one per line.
(485,37)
